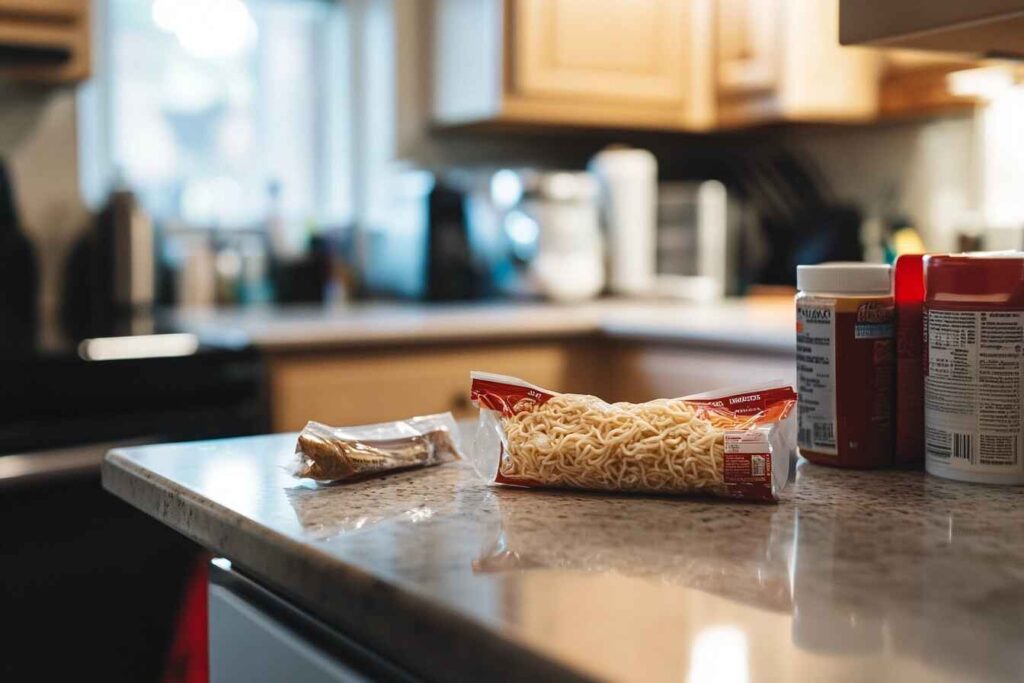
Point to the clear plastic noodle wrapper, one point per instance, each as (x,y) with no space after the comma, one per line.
(349,453)
(733,443)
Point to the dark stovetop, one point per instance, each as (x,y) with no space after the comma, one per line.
(160,385)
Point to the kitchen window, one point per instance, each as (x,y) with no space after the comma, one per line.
(218,112)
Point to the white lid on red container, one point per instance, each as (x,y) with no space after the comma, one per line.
(845,278)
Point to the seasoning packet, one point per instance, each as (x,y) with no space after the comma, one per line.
(329,454)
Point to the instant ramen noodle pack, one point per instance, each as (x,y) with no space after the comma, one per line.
(734,443)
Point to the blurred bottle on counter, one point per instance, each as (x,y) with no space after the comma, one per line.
(971,234)
(19,276)
(228,273)
(278,234)
(194,260)
(254,285)
(901,238)
(341,275)
(628,179)
(299,260)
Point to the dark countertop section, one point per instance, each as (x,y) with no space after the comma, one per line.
(880,576)
(742,325)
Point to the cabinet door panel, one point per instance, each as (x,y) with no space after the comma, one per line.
(601,49)
(748,46)
(778,60)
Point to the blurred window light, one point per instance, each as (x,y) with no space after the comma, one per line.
(506,188)
(201,106)
(1000,153)
(141,346)
(207,29)
(523,233)
(986,83)
(719,655)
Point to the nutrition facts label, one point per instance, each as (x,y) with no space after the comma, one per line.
(815,368)
(973,389)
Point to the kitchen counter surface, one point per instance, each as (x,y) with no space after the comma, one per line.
(759,326)
(853,576)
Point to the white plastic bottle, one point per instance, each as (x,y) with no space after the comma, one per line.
(629,187)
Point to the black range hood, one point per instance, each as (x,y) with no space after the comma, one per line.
(988,28)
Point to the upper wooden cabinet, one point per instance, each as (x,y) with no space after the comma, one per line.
(778,60)
(641,63)
(690,65)
(44,41)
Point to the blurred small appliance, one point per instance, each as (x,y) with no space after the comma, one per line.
(556,230)
(697,241)
(629,187)
(110,280)
(451,271)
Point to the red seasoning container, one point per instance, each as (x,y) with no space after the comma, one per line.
(908,283)
(845,360)
(974,367)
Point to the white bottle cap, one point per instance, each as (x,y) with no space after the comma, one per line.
(845,278)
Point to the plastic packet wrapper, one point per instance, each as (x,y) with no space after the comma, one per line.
(348,453)
(733,443)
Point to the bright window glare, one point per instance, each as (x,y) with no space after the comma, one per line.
(719,655)
(214,102)
(207,29)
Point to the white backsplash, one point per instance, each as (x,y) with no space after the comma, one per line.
(933,164)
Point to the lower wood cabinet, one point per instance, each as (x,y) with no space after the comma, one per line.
(348,387)
(646,371)
(362,386)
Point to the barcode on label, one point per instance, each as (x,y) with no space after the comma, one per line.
(756,466)
(824,433)
(962,446)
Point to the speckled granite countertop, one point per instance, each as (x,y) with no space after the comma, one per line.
(864,576)
(759,326)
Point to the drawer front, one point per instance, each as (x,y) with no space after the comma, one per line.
(374,386)
(650,372)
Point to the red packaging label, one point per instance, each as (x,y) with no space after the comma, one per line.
(770,405)
(747,465)
(505,398)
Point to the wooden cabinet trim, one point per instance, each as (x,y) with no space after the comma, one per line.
(38,35)
(59,11)
(47,25)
